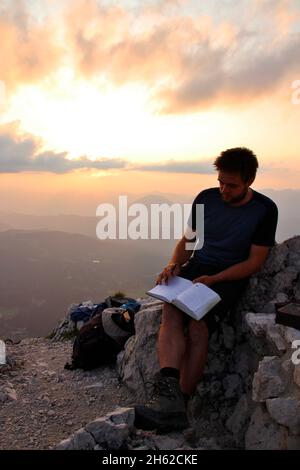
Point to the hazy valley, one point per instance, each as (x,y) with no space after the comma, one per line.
(50,261)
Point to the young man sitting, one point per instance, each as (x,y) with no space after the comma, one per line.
(239,229)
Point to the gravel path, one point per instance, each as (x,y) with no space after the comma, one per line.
(41,403)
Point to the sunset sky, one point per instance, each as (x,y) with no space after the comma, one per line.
(103,96)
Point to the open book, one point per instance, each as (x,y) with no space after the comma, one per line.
(194,299)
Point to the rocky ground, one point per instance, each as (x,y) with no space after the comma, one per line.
(41,403)
(248,397)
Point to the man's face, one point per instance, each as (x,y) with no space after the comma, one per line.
(232,188)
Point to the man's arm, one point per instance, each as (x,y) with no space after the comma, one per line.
(180,256)
(257,257)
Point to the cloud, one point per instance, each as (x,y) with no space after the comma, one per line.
(278,168)
(22,154)
(172,166)
(190,63)
(189,59)
(30,49)
(111,41)
(204,167)
(217,86)
(146,46)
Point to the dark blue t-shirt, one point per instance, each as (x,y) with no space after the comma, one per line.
(229,231)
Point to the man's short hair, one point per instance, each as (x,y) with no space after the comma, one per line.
(238,160)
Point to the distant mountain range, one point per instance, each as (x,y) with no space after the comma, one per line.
(48,262)
(42,273)
(288,202)
(84,225)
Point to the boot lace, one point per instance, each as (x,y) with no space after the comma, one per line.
(160,388)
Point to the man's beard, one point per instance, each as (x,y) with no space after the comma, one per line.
(237,199)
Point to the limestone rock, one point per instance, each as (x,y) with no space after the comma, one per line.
(264,433)
(275,338)
(290,334)
(214,342)
(281,297)
(173,441)
(107,433)
(269,380)
(139,364)
(293,443)
(288,368)
(259,322)
(215,366)
(278,259)
(123,415)
(228,336)
(297,290)
(244,360)
(121,420)
(237,423)
(66,328)
(279,275)
(293,245)
(232,385)
(285,411)
(285,278)
(82,440)
(66,444)
(297,375)
(7,393)
(270,307)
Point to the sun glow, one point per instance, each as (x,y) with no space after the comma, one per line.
(83,119)
(98,120)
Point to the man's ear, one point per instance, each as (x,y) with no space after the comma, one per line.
(249,182)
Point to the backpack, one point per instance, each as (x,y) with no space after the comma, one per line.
(101,339)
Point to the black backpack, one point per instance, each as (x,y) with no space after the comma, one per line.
(101,339)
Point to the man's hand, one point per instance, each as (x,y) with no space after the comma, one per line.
(207,280)
(172,269)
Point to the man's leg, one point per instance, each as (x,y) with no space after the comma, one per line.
(166,410)
(195,356)
(171,339)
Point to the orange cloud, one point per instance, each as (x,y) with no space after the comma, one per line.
(147,47)
(215,85)
(280,15)
(22,153)
(91,30)
(188,63)
(29,51)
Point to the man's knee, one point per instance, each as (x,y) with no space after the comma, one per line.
(172,317)
(198,331)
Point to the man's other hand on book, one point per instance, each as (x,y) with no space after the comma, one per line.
(207,280)
(172,269)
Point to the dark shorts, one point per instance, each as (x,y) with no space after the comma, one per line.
(229,291)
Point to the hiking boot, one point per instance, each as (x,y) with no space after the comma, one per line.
(166,410)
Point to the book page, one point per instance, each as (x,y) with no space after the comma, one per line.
(169,292)
(197,300)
